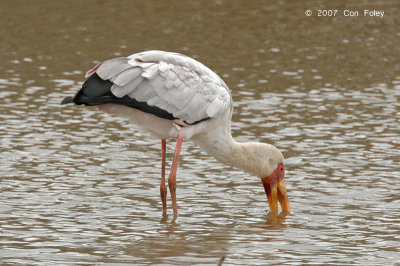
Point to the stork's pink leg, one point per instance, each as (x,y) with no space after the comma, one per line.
(172,175)
(163,188)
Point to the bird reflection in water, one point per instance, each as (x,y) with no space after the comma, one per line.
(276,220)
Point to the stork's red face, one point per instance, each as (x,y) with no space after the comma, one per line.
(275,188)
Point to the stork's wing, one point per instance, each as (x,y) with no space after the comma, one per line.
(172,82)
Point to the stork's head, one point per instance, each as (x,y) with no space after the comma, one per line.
(275,188)
(273,179)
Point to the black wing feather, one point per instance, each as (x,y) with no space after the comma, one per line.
(96,91)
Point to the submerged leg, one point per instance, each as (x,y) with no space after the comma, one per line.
(163,188)
(172,175)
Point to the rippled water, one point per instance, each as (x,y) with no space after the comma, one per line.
(81,187)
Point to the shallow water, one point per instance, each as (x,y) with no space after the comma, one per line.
(81,187)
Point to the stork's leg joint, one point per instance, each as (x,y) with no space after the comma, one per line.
(172,184)
(163,193)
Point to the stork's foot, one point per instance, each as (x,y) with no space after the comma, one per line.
(164,218)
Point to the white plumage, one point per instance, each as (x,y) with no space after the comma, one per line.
(173,82)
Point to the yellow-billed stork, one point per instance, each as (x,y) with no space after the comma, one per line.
(174,96)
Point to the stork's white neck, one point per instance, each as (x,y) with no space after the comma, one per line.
(257,158)
(223,148)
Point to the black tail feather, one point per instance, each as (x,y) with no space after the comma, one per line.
(94,86)
(67,100)
(94,91)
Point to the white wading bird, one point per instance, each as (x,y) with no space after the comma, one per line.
(174,96)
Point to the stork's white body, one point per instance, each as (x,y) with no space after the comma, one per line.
(161,78)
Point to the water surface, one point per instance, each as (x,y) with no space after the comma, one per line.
(81,187)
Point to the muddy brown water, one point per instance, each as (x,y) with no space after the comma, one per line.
(79,187)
